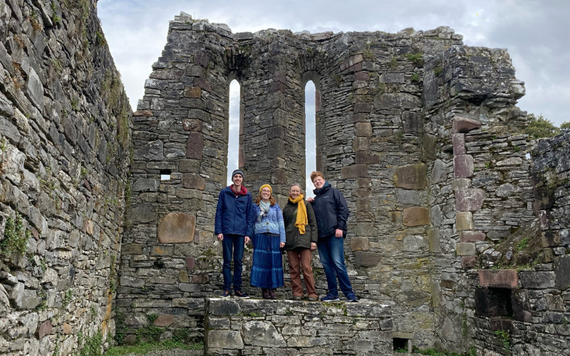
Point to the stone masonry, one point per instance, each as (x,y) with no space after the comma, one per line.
(64,155)
(459,221)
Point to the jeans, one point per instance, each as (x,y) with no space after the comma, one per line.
(235,243)
(331,252)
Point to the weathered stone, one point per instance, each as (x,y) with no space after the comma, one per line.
(194,145)
(264,334)
(537,279)
(465,249)
(163,320)
(458,144)
(354,171)
(367,259)
(416,216)
(363,129)
(468,262)
(220,339)
(359,244)
(464,221)
(414,243)
(146,185)
(469,199)
(176,228)
(502,278)
(151,151)
(35,89)
(193,181)
(472,236)
(412,176)
(413,123)
(561,269)
(44,329)
(438,172)
(67,329)
(464,125)
(463,166)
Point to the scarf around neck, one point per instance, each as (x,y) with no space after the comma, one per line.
(301,220)
(264,209)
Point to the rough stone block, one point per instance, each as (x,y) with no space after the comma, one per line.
(362,108)
(472,236)
(176,228)
(359,244)
(469,199)
(189,165)
(412,176)
(366,259)
(194,125)
(416,216)
(360,144)
(190,263)
(363,129)
(262,333)
(414,243)
(433,240)
(193,181)
(145,185)
(220,339)
(354,171)
(463,166)
(363,157)
(465,249)
(464,221)
(44,329)
(163,320)
(193,92)
(458,144)
(194,145)
(131,249)
(464,125)
(413,123)
(562,272)
(223,307)
(152,151)
(66,329)
(501,278)
(468,262)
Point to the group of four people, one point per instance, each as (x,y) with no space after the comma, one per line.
(299,229)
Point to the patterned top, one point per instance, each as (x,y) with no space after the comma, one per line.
(270,224)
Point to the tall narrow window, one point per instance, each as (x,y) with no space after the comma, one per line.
(233,137)
(310,136)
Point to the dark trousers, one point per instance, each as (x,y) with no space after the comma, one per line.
(232,244)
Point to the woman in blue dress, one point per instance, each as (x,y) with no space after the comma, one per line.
(268,239)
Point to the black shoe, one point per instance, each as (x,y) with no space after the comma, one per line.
(239,293)
(225,294)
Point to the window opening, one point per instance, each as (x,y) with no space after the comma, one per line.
(165,174)
(233,130)
(310,136)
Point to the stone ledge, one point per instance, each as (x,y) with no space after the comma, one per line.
(240,326)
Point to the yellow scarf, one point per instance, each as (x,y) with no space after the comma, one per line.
(302,220)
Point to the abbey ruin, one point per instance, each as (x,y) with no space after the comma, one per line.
(459,227)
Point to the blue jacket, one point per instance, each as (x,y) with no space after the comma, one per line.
(331,211)
(270,224)
(234,215)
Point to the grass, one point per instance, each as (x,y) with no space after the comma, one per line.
(144,348)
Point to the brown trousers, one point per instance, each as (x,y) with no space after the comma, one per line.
(301,258)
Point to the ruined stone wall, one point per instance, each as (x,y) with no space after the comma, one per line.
(64,139)
(271,327)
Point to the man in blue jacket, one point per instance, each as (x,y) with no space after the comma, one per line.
(234,226)
(331,213)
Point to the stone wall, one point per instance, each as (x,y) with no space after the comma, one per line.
(270,327)
(64,139)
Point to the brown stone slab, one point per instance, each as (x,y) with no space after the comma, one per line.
(163,320)
(465,249)
(176,228)
(359,244)
(193,181)
(501,278)
(363,129)
(458,144)
(464,125)
(44,329)
(354,171)
(66,329)
(193,92)
(194,145)
(194,125)
(468,261)
(411,176)
(366,259)
(416,216)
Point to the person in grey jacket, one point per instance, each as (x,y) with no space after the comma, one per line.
(301,240)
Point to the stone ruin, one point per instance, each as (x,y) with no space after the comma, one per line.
(458,234)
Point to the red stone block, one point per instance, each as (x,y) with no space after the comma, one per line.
(502,278)
(190,263)
(44,329)
(469,199)
(463,166)
(464,125)
(458,144)
(194,145)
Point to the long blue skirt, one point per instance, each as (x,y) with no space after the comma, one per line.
(267,269)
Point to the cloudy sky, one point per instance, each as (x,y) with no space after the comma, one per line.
(536,33)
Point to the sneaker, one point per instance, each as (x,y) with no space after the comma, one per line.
(330,298)
(225,294)
(239,293)
(352,299)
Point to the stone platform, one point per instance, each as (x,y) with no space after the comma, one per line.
(284,327)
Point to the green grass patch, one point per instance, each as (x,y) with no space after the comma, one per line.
(144,348)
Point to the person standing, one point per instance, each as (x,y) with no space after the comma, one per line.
(331,213)
(233,227)
(302,235)
(268,239)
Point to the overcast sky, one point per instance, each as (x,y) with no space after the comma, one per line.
(536,33)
